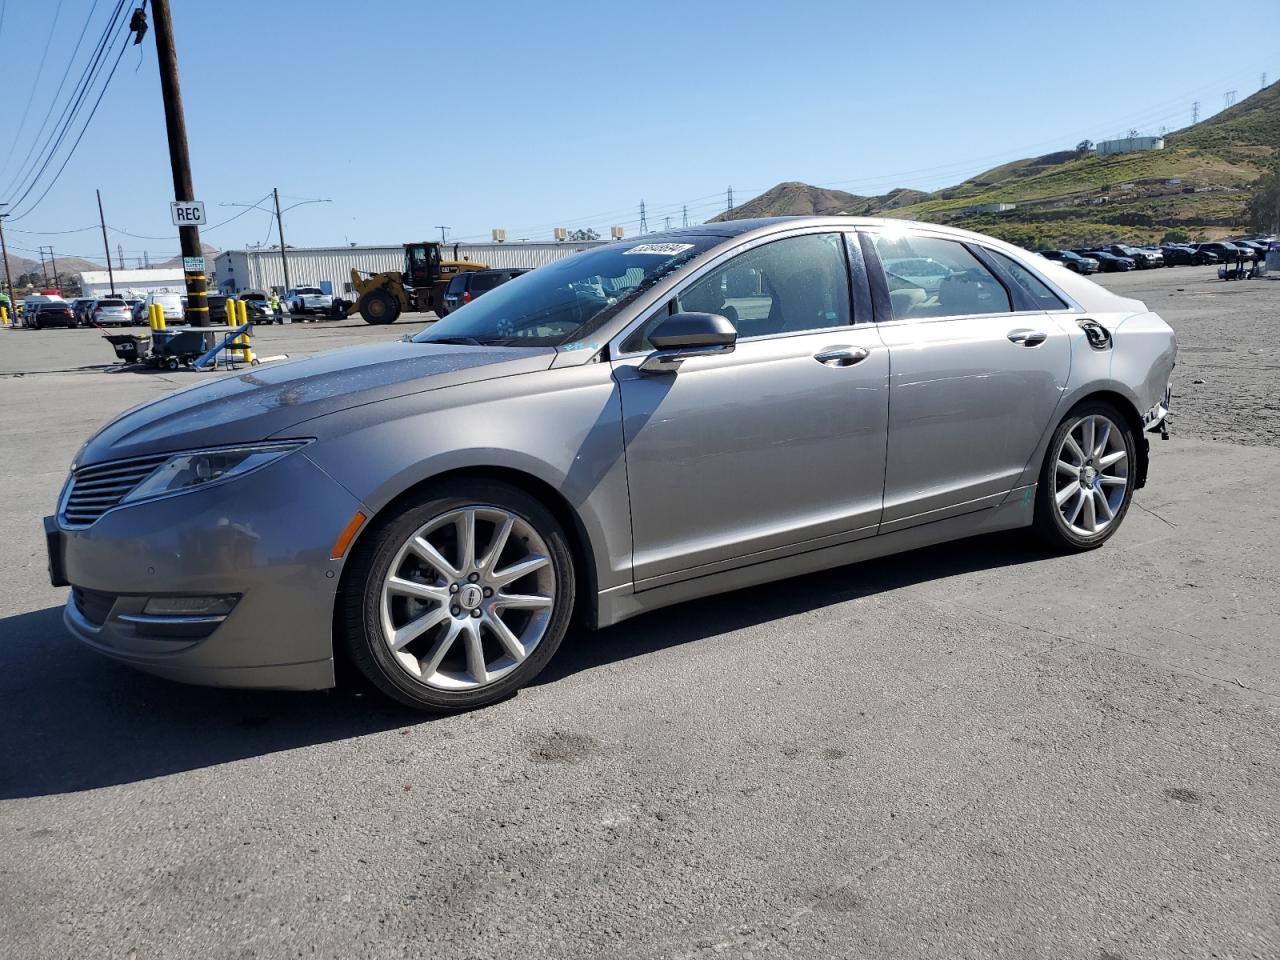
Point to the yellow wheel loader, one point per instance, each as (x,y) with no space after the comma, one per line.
(420,286)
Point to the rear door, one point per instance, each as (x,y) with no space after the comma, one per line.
(977,370)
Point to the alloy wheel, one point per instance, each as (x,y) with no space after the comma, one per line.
(1091,475)
(467,598)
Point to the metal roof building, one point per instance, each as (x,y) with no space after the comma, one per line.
(329,268)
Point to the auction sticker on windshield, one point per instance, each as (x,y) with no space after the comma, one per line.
(663,249)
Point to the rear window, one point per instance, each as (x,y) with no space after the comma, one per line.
(111,303)
(310,291)
(1036,288)
(485,281)
(457,284)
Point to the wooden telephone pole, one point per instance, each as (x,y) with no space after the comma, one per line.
(176,126)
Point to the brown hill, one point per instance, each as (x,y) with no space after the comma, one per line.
(210,252)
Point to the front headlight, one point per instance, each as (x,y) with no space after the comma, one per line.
(200,468)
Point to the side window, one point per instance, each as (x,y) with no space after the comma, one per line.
(1035,288)
(931,277)
(457,284)
(788,286)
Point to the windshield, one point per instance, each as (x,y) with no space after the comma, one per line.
(569,299)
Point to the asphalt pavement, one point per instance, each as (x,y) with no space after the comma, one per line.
(974,750)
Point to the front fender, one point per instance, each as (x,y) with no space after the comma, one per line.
(562,427)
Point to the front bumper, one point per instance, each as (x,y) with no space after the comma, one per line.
(265,537)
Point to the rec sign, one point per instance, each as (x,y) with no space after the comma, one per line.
(187,213)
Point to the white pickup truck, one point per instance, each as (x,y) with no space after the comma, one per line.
(308,300)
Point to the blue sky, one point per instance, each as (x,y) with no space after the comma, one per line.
(532,115)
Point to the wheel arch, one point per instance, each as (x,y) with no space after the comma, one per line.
(585,603)
(1133,419)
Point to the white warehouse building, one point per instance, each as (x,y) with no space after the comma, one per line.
(1130,145)
(329,268)
(137,283)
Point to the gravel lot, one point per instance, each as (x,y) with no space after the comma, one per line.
(974,750)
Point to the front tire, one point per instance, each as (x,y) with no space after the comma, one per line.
(460,598)
(379,307)
(1086,481)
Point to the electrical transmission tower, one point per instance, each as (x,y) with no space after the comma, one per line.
(1195,112)
(684,215)
(729,201)
(644,223)
(1264,82)
(666,225)
(1229,98)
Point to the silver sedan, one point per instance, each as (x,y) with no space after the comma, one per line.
(643,423)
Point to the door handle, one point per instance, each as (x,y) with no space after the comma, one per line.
(842,356)
(1028,338)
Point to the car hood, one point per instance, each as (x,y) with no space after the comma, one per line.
(266,400)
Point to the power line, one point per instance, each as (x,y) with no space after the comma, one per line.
(61,83)
(92,113)
(72,110)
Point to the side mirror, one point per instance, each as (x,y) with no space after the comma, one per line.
(684,336)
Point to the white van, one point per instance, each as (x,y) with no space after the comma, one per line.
(172,303)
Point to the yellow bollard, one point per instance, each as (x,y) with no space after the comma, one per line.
(246,348)
(151,316)
(4,316)
(160,324)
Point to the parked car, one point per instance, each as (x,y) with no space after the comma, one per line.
(1181,254)
(1224,251)
(1109,262)
(438,510)
(49,313)
(1142,258)
(257,305)
(304,300)
(109,312)
(465,287)
(81,306)
(1072,261)
(1257,247)
(173,304)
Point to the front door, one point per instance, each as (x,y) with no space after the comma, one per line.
(975,381)
(770,450)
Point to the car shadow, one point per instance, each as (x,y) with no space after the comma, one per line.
(71,720)
(739,609)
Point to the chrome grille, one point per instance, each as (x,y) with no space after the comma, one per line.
(95,490)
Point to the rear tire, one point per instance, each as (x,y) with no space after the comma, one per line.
(422,615)
(1086,480)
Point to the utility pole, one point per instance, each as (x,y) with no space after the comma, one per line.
(54,261)
(120,255)
(111,276)
(176,126)
(13,301)
(442,230)
(284,258)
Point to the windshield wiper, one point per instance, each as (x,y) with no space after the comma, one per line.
(466,341)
